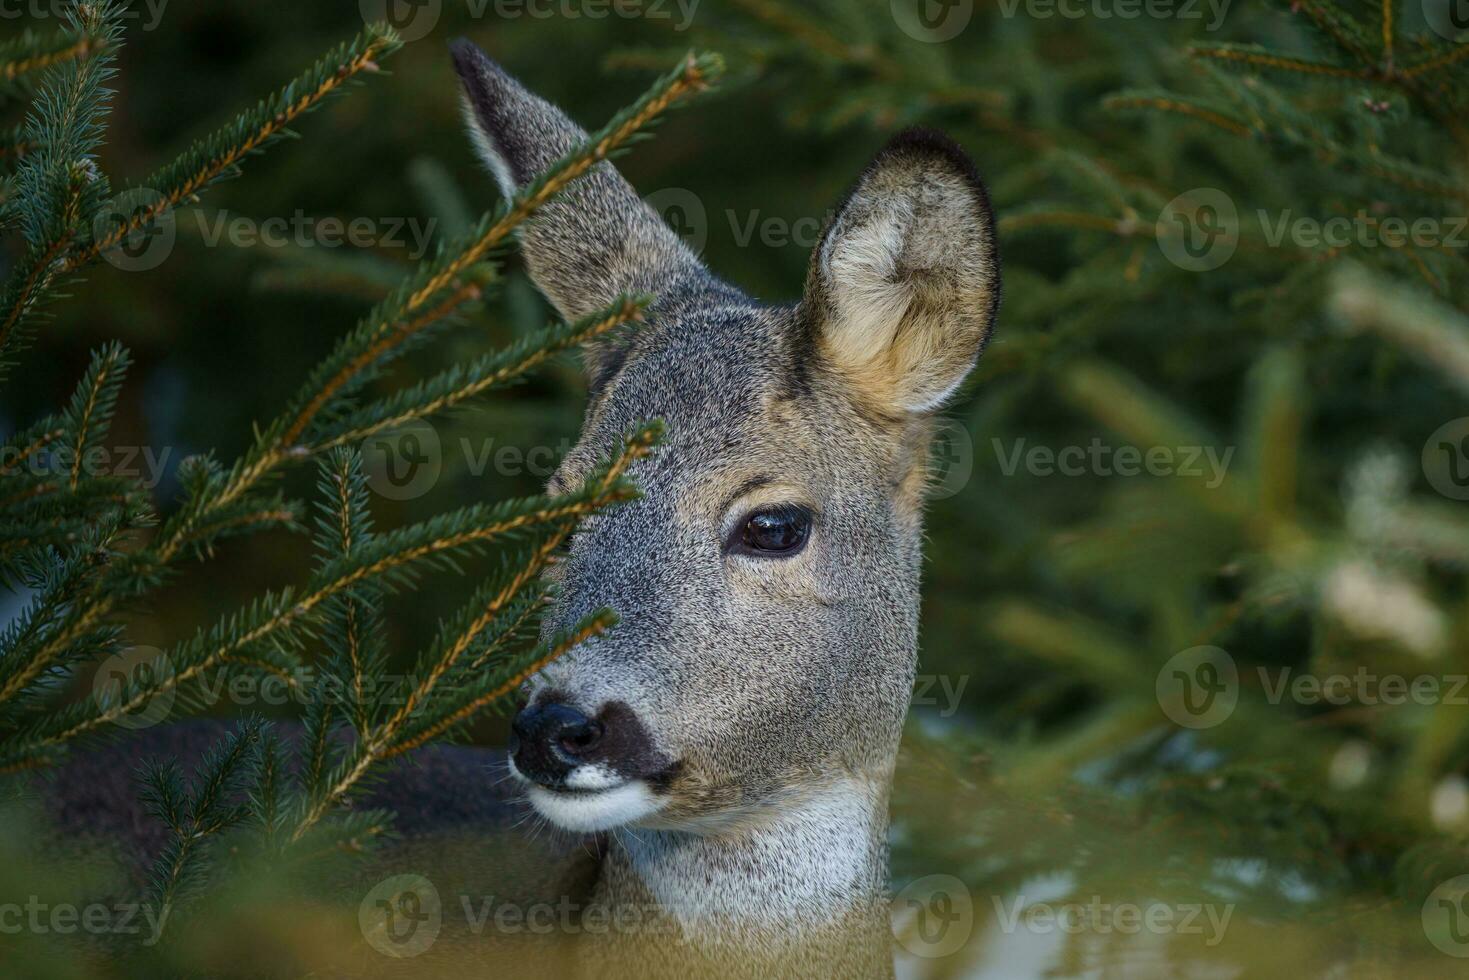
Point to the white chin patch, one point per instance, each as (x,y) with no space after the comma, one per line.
(597,801)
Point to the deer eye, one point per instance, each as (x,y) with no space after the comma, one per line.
(775,531)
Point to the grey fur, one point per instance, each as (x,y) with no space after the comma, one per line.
(779,685)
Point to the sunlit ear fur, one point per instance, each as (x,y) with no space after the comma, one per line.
(903,289)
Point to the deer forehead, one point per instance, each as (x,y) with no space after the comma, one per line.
(726,383)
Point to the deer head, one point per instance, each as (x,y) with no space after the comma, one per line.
(767,579)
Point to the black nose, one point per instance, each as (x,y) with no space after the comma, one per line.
(551,740)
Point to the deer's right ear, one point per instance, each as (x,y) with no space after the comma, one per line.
(903,289)
(594,240)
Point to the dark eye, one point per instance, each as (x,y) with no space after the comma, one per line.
(776,531)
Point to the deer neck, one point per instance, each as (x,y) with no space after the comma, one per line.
(803,881)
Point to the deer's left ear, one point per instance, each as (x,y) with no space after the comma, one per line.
(903,289)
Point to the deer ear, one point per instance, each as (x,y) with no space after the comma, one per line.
(594,240)
(904,287)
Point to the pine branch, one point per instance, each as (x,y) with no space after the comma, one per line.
(30,53)
(58,186)
(497,686)
(1179,105)
(1258,57)
(466,381)
(273,449)
(1427,65)
(354,630)
(90,413)
(197,815)
(604,487)
(378,335)
(220,155)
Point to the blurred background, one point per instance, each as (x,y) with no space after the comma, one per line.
(1195,609)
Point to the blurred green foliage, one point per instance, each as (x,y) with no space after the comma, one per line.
(1322,539)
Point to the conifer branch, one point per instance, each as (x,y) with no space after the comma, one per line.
(58,185)
(1457,54)
(804,32)
(1182,107)
(464,382)
(589,628)
(462,293)
(29,53)
(604,487)
(1264,59)
(1337,26)
(252,131)
(376,332)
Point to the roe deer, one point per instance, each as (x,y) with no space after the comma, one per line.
(742,723)
(730,745)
